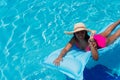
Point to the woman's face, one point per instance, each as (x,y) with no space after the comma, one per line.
(80,34)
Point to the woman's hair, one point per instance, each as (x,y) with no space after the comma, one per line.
(86,36)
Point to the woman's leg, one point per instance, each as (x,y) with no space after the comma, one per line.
(109,29)
(113,37)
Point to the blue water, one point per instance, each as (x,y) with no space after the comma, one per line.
(31,29)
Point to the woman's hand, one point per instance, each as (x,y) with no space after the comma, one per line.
(92,43)
(57,61)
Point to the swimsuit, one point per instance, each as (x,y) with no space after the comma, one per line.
(100,40)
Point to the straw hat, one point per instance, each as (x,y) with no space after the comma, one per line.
(79,27)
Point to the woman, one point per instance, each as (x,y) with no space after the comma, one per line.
(89,43)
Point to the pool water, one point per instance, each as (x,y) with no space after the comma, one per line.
(31,29)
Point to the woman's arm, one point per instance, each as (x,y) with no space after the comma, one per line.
(64,51)
(94,52)
(93,47)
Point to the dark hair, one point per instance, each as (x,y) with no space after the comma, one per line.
(86,36)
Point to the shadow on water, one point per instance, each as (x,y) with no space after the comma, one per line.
(99,72)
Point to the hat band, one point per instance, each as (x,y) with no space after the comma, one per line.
(79,27)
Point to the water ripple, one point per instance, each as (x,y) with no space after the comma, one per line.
(3,24)
(6,51)
(24,39)
(43,35)
(3,3)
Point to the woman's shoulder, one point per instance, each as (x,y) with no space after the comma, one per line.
(73,40)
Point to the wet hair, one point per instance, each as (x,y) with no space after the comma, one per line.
(86,36)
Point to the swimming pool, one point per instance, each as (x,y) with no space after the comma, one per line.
(32,29)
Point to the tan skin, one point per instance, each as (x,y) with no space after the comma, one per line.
(93,46)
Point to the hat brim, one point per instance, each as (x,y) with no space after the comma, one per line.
(72,32)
